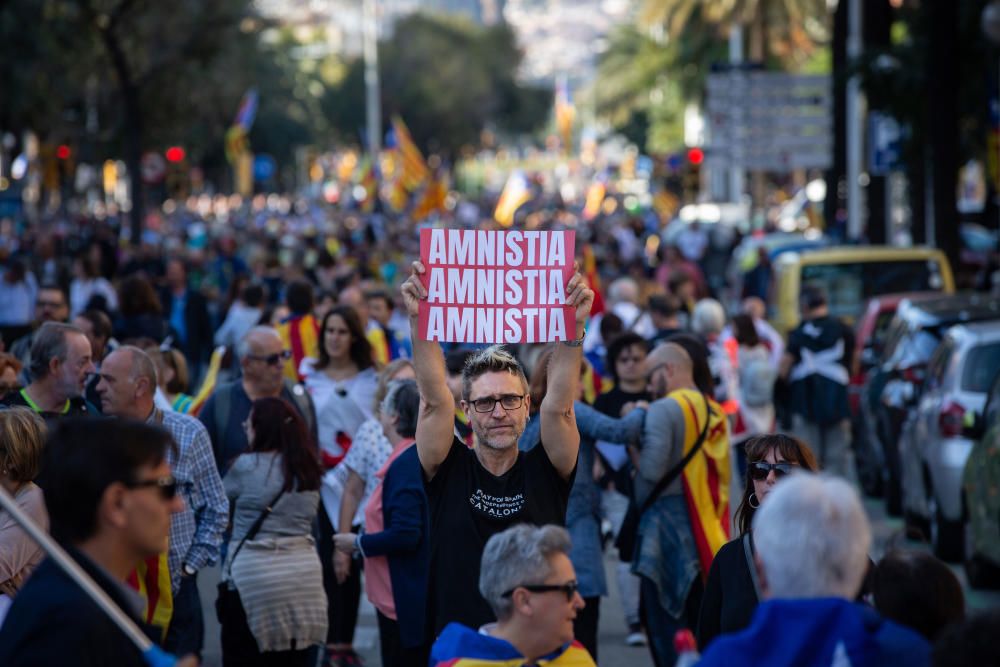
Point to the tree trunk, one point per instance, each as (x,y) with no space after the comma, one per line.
(133,131)
(942,103)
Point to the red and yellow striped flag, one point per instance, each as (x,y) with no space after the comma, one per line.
(151,579)
(300,335)
(593,278)
(433,198)
(414,171)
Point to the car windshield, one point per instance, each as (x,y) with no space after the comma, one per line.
(849,285)
(981,367)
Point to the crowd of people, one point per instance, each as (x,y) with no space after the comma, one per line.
(260,401)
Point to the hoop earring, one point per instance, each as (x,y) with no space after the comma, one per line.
(753,499)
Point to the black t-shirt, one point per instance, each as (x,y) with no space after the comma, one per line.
(469,505)
(77,406)
(611,403)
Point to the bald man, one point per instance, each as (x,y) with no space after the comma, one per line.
(682,488)
(126,387)
(262,357)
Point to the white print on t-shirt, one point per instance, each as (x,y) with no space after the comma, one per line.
(498,506)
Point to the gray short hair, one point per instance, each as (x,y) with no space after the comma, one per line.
(243,347)
(142,365)
(812,538)
(708,317)
(49,343)
(516,557)
(402,400)
(493,359)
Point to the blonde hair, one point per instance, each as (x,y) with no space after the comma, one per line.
(22,436)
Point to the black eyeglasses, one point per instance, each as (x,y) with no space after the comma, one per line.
(568,589)
(507,402)
(272,359)
(759,470)
(167,485)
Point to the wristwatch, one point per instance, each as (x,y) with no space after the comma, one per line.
(578,342)
(189,571)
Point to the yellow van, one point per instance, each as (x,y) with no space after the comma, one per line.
(853,274)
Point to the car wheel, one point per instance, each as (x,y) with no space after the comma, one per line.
(947,537)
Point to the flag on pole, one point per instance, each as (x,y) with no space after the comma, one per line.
(367,180)
(413,170)
(515,193)
(593,278)
(565,113)
(433,198)
(237,142)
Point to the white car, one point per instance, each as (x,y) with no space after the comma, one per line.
(935,442)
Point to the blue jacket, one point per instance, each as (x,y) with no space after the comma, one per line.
(818,632)
(405,543)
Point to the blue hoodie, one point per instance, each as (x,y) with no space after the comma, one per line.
(819,632)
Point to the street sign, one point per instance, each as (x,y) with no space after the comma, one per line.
(884,138)
(770,121)
(153,167)
(263,167)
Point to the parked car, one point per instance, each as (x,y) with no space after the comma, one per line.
(894,387)
(869,342)
(981,487)
(936,446)
(852,275)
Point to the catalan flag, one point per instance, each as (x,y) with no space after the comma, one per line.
(237,142)
(565,113)
(433,198)
(595,197)
(208,382)
(593,278)
(368,181)
(515,193)
(151,579)
(706,477)
(413,170)
(300,334)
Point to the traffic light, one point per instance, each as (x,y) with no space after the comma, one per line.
(692,173)
(175,154)
(177,172)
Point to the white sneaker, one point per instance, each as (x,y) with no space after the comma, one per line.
(636,639)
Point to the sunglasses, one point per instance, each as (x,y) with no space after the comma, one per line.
(273,359)
(167,486)
(761,469)
(568,589)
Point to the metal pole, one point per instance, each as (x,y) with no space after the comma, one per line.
(153,654)
(373,103)
(855,120)
(736,175)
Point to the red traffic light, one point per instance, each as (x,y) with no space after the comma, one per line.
(696,155)
(63,152)
(175,154)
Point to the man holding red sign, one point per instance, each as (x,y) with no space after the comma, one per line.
(478,492)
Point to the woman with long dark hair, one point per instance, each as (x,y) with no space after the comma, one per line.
(342,383)
(279,610)
(731,592)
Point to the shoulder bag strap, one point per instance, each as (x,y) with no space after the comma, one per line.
(255,528)
(679,468)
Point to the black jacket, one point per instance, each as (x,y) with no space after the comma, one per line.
(54,622)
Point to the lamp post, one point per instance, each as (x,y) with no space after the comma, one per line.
(373,102)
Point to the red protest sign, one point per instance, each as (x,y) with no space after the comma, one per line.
(502,286)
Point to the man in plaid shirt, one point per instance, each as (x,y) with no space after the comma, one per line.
(127,386)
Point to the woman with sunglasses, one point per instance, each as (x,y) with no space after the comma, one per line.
(280,611)
(732,591)
(342,384)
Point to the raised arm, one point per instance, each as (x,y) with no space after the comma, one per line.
(436,425)
(560,436)
(598,426)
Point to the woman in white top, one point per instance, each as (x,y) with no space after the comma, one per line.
(342,385)
(22,434)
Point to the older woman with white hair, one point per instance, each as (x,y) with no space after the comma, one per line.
(708,321)
(528,580)
(812,539)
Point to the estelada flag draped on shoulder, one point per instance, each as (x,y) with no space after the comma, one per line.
(706,477)
(300,335)
(152,581)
